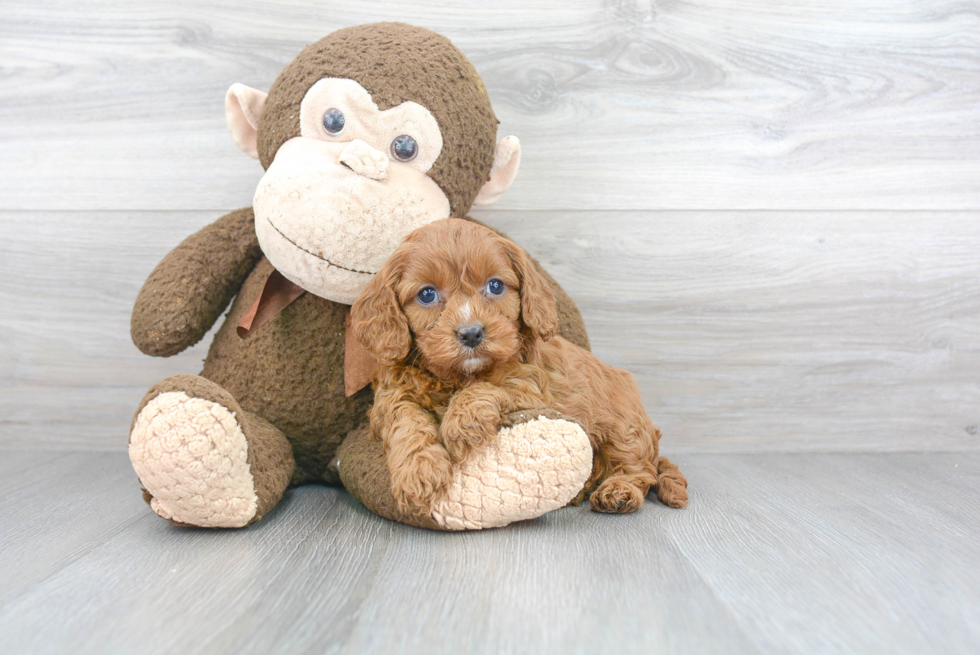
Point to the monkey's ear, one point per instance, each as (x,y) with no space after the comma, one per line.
(506,161)
(243,109)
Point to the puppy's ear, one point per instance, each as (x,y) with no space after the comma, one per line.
(377,318)
(539,314)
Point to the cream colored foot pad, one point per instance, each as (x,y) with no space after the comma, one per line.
(531,469)
(191,455)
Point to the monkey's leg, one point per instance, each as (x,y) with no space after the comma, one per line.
(204,461)
(537,463)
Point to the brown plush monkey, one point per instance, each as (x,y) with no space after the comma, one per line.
(369,133)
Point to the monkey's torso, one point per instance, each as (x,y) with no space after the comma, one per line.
(290,372)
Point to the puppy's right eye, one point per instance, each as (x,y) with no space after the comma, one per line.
(427,296)
(495,287)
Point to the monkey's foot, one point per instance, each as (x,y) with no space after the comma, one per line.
(192,457)
(535,465)
(204,461)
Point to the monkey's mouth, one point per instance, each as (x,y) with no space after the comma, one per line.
(321,258)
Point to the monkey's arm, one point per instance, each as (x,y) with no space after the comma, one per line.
(187,291)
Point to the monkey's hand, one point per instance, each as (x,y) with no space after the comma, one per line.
(187,291)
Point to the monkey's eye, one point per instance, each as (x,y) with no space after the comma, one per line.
(495,287)
(333,121)
(427,295)
(404,148)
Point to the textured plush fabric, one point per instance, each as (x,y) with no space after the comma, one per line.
(538,464)
(192,458)
(189,288)
(204,461)
(397,63)
(328,230)
(531,468)
(372,126)
(291,372)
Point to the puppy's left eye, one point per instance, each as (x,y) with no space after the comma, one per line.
(427,296)
(495,287)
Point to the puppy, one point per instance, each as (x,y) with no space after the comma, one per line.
(463,328)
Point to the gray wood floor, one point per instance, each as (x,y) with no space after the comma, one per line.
(792,553)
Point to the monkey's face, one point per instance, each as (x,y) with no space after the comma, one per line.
(340,197)
(370,133)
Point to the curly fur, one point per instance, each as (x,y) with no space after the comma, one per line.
(437,400)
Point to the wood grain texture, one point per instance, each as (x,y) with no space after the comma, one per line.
(747,332)
(56,508)
(846,554)
(624,104)
(67,364)
(776,553)
(804,331)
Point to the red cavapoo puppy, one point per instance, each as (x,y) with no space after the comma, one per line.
(463,329)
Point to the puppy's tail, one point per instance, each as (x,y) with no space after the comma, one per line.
(671,483)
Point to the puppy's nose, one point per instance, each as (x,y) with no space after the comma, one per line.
(470,335)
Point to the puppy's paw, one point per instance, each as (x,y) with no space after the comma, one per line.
(616,495)
(671,484)
(469,425)
(422,480)
(672,492)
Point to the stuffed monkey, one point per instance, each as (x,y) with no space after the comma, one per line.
(368,134)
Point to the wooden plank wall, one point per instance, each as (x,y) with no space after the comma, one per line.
(767,211)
